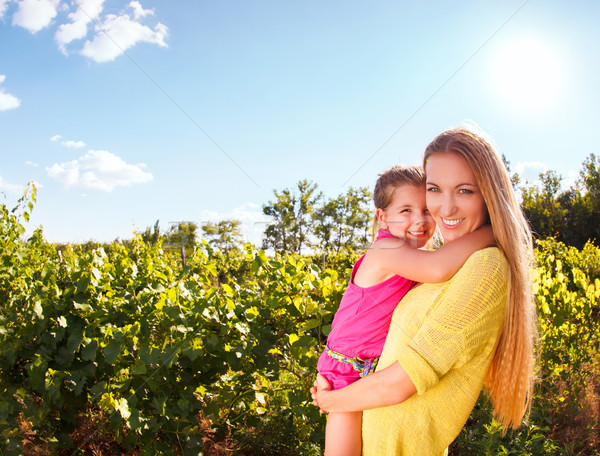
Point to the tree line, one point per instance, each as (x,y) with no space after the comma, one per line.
(571,216)
(302,220)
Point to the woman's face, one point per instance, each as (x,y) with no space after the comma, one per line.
(453,197)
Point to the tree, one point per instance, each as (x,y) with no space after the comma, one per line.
(578,213)
(571,216)
(280,233)
(589,202)
(590,178)
(291,215)
(359,217)
(542,208)
(181,234)
(151,236)
(224,235)
(514,177)
(342,223)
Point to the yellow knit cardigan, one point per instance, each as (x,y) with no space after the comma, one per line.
(444,336)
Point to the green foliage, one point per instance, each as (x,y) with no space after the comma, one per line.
(565,417)
(514,177)
(342,224)
(151,235)
(224,235)
(544,211)
(482,435)
(157,348)
(10,224)
(181,234)
(304,219)
(571,216)
(291,213)
(169,359)
(567,287)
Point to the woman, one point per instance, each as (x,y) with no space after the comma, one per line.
(446,341)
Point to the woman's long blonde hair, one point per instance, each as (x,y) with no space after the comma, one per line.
(509,381)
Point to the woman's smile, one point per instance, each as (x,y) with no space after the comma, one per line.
(451,222)
(453,196)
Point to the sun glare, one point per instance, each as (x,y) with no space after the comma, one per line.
(528,74)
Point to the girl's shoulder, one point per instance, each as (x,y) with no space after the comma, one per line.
(388,241)
(385,247)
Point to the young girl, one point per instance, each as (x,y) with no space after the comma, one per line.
(380,279)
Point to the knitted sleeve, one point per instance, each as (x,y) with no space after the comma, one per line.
(465,317)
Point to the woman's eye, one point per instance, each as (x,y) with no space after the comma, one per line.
(433,189)
(465,191)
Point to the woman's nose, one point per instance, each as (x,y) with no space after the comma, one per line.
(448,206)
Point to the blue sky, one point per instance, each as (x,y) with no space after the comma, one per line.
(125,112)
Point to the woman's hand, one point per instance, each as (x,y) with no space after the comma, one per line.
(319,390)
(388,386)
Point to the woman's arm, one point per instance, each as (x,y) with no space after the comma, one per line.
(388,386)
(394,256)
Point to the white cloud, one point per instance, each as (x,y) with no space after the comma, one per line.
(530,174)
(73,144)
(34,15)
(12,189)
(98,170)
(7,101)
(3,6)
(113,34)
(69,142)
(139,11)
(530,171)
(77,29)
(116,34)
(30,163)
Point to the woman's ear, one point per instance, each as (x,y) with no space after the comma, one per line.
(380,214)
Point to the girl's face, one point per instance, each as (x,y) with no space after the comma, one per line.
(407,216)
(453,197)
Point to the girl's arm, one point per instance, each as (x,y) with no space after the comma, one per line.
(394,256)
(388,386)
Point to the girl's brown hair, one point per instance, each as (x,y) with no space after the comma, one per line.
(389,181)
(509,381)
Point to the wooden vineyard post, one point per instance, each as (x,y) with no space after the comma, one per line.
(183,259)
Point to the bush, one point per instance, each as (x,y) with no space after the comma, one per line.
(122,348)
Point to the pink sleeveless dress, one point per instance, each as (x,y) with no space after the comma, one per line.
(360,327)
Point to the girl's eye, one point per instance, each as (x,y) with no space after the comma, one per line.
(465,191)
(433,189)
(404,210)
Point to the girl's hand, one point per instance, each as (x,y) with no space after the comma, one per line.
(319,390)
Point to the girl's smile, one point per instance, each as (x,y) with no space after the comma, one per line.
(407,216)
